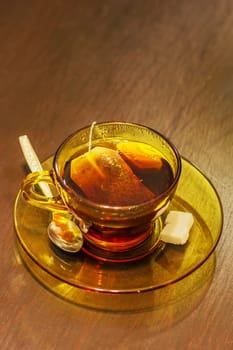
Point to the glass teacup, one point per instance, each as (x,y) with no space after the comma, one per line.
(118,183)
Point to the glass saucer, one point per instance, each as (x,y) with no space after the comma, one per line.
(122,286)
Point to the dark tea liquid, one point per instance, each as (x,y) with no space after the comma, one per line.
(119,174)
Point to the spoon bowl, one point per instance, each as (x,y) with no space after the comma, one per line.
(65,233)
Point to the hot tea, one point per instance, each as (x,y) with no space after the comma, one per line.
(120,173)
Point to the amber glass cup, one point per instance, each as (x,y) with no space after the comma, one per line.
(115,229)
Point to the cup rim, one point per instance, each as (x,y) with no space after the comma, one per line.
(113,208)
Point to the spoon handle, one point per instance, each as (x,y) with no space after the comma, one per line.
(33,161)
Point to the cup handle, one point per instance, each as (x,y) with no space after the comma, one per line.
(39,198)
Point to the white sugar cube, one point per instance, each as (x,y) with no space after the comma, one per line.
(177,227)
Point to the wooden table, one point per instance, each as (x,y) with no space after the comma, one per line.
(167,64)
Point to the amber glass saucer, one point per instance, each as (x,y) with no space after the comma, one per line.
(122,286)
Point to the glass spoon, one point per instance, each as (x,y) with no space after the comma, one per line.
(62,230)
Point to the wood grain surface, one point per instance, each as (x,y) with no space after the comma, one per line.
(167,64)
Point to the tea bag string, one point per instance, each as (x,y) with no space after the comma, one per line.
(90,136)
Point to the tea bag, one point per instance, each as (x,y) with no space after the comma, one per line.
(104,177)
(147,164)
(140,155)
